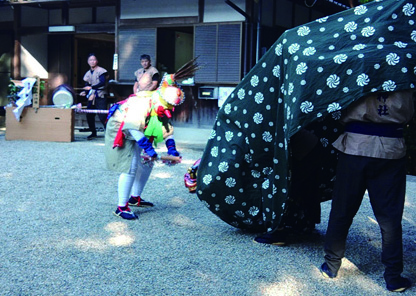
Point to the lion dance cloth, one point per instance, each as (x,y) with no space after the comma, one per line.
(308,76)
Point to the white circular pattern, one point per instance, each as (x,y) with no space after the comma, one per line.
(309,75)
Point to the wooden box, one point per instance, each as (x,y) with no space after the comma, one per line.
(42,124)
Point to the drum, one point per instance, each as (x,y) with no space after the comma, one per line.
(63,96)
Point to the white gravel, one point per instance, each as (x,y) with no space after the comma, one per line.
(59,237)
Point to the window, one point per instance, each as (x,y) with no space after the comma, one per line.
(219,49)
(132,44)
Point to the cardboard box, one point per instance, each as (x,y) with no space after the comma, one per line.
(43,124)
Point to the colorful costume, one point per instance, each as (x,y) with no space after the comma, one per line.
(190,177)
(133,126)
(134,114)
(307,77)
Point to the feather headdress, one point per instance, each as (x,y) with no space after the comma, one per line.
(170,90)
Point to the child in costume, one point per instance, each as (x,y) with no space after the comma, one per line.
(132,128)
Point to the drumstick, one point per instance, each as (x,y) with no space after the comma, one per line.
(170,158)
(165,158)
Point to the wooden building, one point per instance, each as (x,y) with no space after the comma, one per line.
(52,39)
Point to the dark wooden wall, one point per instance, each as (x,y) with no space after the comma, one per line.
(195,112)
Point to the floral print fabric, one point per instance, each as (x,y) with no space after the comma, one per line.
(308,76)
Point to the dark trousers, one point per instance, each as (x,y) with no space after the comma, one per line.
(100,104)
(305,184)
(304,205)
(385,180)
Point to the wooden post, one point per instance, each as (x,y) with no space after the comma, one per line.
(116,41)
(36,95)
(17,49)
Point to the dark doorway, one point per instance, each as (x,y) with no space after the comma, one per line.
(102,45)
(59,61)
(174,48)
(6,53)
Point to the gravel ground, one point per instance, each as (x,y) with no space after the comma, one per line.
(59,237)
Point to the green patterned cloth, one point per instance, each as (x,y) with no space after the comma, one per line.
(308,76)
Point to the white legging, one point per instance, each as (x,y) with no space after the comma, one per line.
(133,182)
